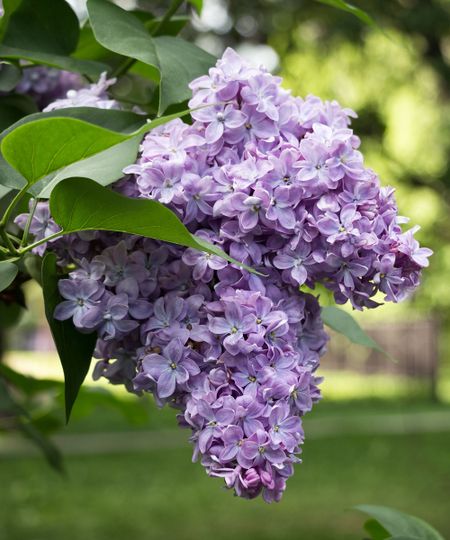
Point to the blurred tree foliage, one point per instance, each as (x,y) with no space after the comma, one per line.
(397,78)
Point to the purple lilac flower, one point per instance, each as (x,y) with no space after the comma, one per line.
(277,182)
(93,96)
(170,368)
(81,298)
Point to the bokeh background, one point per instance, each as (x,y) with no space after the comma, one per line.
(382,433)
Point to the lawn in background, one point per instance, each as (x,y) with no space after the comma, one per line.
(157,493)
(160,494)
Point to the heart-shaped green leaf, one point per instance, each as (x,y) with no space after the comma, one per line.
(104,168)
(38,148)
(400,525)
(342,322)
(123,121)
(75,350)
(45,146)
(8,273)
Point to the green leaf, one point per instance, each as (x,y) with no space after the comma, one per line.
(179,63)
(342,322)
(198,5)
(375,530)
(43,32)
(48,26)
(121,32)
(91,69)
(10,75)
(4,191)
(75,349)
(349,8)
(8,273)
(104,168)
(13,107)
(399,524)
(172,27)
(41,147)
(79,204)
(42,135)
(173,60)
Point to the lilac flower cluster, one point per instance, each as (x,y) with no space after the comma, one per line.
(237,361)
(45,85)
(277,182)
(94,95)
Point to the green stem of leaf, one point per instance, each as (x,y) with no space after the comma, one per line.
(26,231)
(173,8)
(30,247)
(6,217)
(11,249)
(8,212)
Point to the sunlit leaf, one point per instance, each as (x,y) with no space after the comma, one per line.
(104,168)
(41,147)
(198,5)
(75,350)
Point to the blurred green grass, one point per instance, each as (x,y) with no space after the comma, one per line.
(154,491)
(159,494)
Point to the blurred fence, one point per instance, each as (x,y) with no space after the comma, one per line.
(413,347)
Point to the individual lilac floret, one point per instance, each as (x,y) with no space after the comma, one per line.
(81,298)
(170,368)
(93,96)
